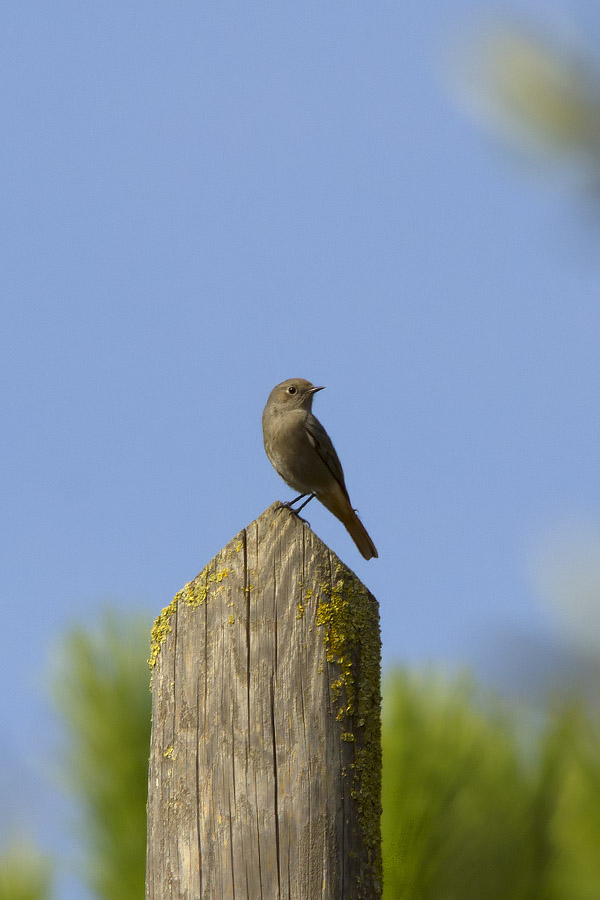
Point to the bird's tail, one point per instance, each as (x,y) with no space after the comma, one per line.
(359,535)
(338,502)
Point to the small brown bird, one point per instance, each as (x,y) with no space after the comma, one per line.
(301,451)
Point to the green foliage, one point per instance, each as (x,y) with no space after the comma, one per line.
(468,814)
(455,800)
(571,777)
(102,689)
(24,873)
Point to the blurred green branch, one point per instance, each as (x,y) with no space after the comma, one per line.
(101,687)
(468,813)
(24,873)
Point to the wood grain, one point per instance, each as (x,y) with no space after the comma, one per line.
(265,760)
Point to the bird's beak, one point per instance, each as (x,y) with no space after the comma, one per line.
(314,390)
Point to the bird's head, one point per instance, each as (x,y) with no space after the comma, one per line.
(295,393)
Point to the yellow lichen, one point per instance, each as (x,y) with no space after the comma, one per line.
(168,754)
(161,628)
(350,624)
(193,594)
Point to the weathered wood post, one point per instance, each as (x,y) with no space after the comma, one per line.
(265,760)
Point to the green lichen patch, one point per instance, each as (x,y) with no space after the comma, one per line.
(161,628)
(193,594)
(350,622)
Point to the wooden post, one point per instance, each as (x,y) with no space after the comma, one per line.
(265,760)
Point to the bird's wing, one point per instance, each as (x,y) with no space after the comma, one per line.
(321,441)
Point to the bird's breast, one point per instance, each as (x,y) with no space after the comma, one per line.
(290,451)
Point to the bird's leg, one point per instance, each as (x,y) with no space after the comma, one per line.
(290,503)
(302,505)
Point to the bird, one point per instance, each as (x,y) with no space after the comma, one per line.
(302,453)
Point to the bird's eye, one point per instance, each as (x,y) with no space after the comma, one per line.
(291,389)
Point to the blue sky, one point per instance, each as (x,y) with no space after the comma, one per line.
(200,202)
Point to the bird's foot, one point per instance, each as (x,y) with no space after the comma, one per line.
(290,505)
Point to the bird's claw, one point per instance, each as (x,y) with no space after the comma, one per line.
(292,510)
